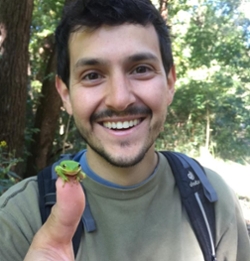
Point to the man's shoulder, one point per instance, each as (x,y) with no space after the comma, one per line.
(21,191)
(217,181)
(19,218)
(227,204)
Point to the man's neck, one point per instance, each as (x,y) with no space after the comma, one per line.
(123,176)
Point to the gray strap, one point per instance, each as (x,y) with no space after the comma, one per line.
(209,191)
(88,220)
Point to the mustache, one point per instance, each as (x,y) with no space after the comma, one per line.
(131,111)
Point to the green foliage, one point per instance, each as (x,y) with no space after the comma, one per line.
(211,50)
(67,137)
(46,15)
(7,162)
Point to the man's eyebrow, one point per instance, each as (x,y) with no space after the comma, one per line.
(88,62)
(142,56)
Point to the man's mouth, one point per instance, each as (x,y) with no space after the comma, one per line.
(120,125)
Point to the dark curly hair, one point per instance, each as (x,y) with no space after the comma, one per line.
(95,13)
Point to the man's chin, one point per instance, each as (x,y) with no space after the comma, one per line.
(123,161)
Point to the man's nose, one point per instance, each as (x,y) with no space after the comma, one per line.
(119,95)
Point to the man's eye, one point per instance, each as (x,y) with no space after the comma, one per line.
(91,76)
(141,69)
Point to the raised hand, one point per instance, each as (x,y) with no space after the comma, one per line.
(53,241)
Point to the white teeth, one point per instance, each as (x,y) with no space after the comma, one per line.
(121,125)
(125,124)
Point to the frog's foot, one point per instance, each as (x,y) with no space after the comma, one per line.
(79,178)
(82,176)
(64,179)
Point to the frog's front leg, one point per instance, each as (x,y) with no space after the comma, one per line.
(61,174)
(80,176)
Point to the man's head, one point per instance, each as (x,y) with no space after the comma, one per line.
(116,77)
(95,13)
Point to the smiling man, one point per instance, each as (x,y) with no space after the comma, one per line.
(116,78)
(118,94)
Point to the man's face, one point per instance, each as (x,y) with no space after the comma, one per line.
(119,91)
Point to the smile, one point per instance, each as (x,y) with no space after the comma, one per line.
(121,124)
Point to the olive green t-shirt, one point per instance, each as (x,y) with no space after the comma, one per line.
(144,223)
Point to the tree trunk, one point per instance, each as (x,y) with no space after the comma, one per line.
(46,120)
(207,129)
(15,21)
(163,8)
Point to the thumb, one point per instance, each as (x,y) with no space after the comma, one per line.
(67,212)
(54,239)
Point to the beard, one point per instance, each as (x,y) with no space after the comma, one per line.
(119,161)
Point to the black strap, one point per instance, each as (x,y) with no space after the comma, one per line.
(188,184)
(46,187)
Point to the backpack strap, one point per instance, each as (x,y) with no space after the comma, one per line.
(197,196)
(47,198)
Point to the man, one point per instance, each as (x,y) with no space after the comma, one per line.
(116,77)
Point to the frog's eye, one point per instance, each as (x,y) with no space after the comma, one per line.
(64,166)
(79,165)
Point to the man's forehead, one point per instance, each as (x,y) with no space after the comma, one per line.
(128,42)
(85,31)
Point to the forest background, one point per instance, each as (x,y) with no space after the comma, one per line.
(210,112)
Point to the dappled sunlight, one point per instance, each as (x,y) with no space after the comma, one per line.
(245,7)
(3,34)
(236,175)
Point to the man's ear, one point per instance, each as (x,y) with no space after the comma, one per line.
(171,79)
(64,94)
